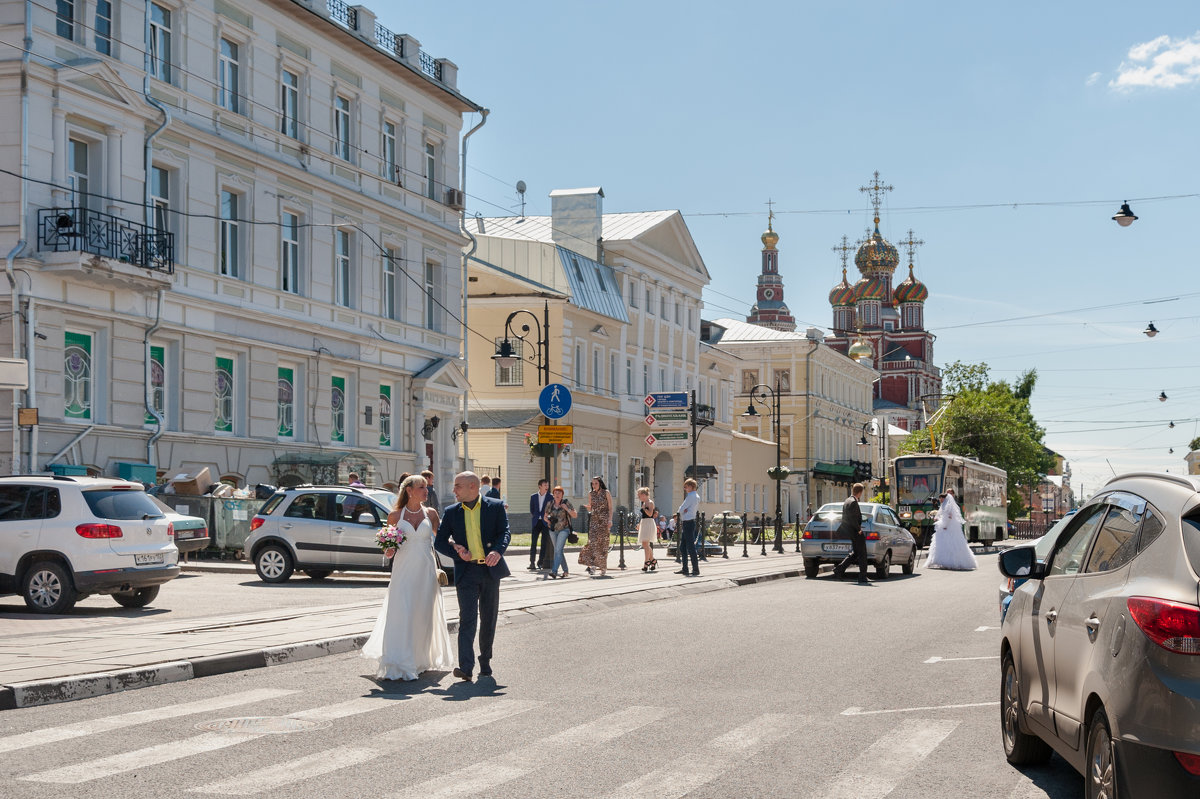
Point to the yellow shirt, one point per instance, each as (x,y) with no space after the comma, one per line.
(474,536)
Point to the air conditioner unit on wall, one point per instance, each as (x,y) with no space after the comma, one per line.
(456,199)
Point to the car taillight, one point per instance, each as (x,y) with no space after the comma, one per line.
(256,523)
(1189,762)
(170,529)
(1172,625)
(872,536)
(808,534)
(99,530)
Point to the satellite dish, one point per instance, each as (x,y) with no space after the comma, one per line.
(520,187)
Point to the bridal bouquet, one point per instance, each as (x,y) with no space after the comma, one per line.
(389,537)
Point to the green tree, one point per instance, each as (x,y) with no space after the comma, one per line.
(991,421)
(1195,444)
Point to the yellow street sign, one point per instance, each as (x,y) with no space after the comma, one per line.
(556,434)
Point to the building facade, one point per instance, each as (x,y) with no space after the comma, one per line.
(234,244)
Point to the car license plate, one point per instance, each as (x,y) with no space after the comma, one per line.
(185,533)
(149,560)
(836,547)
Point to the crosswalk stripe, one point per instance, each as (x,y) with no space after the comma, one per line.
(51,735)
(719,754)
(885,763)
(480,777)
(273,777)
(198,744)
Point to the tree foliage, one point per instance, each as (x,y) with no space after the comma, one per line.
(1195,444)
(991,421)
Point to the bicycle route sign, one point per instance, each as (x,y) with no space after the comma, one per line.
(554,401)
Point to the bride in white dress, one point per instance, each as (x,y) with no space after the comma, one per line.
(410,635)
(949,548)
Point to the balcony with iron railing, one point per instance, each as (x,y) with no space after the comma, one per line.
(82,230)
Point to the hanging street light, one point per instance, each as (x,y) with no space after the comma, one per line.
(1124,217)
(1151,331)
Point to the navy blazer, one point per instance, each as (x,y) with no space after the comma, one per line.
(537,510)
(493,529)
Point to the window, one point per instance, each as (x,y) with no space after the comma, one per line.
(431,316)
(662,379)
(64,22)
(308,506)
(431,170)
(160,198)
(1116,544)
(662,306)
(337,409)
(289,104)
(596,369)
(285,402)
(678,313)
(341,128)
(1072,546)
(158,384)
(341,268)
(646,379)
(385,416)
(390,289)
(391,168)
(629,376)
(510,375)
(230,245)
(579,365)
(103,27)
(79,170)
(77,376)
(749,380)
(649,306)
(289,252)
(227,76)
(223,387)
(612,373)
(632,295)
(160,42)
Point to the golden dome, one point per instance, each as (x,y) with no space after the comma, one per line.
(860,350)
(770,238)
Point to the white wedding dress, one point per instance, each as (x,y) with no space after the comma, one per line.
(949,548)
(410,635)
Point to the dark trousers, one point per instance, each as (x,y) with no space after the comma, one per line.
(687,545)
(858,553)
(478,608)
(540,556)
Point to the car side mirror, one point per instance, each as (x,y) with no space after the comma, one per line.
(1020,562)
(366,518)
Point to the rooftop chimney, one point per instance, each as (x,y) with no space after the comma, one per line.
(575,219)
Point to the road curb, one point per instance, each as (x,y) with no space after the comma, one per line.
(84,686)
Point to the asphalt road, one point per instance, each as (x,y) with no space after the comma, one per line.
(791,688)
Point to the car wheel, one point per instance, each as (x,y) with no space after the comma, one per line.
(317,574)
(1100,773)
(46,588)
(137,598)
(884,567)
(273,564)
(1021,748)
(911,565)
(812,567)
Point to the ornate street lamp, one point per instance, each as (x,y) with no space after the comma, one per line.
(507,356)
(759,394)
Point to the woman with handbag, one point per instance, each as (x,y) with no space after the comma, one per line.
(559,514)
(647,529)
(600,518)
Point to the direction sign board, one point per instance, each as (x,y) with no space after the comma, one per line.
(669,439)
(667,400)
(676,420)
(554,401)
(556,434)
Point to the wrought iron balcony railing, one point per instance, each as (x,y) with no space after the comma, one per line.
(85,230)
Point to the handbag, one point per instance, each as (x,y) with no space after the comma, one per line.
(572,538)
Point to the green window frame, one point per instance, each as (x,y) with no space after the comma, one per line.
(286,402)
(337,409)
(223,393)
(385,416)
(77,375)
(158,384)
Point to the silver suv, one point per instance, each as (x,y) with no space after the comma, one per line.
(1100,648)
(320,530)
(65,538)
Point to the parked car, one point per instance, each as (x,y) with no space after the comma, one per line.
(887,541)
(1100,648)
(1041,546)
(65,538)
(191,532)
(320,530)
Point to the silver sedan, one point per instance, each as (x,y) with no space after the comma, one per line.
(887,541)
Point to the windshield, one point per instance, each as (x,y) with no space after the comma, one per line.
(919,480)
(122,504)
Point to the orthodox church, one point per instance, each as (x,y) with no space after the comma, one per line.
(769,309)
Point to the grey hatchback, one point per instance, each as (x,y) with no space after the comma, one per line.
(887,541)
(1099,646)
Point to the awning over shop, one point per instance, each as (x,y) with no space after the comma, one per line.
(837,472)
(702,472)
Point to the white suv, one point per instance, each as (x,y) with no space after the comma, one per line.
(65,538)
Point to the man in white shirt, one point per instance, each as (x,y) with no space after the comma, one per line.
(687,532)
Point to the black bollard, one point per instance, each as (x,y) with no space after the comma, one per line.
(724,539)
(622,520)
(745,551)
(702,538)
(797,533)
(762,532)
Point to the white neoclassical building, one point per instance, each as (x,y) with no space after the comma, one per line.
(232,240)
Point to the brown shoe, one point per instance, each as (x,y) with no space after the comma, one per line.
(465,676)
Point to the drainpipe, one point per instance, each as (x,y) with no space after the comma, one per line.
(466,254)
(148,164)
(31,390)
(14,290)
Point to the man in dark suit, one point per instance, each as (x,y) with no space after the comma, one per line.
(851,527)
(475,531)
(537,514)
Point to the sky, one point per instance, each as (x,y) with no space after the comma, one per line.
(1011,133)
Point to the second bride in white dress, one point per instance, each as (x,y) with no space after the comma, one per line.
(949,548)
(410,635)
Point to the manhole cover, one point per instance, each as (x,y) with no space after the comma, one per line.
(263,725)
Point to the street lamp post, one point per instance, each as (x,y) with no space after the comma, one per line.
(541,357)
(778,473)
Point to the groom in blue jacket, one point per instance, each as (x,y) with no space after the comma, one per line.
(474,531)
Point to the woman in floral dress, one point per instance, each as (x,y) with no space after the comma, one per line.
(600,508)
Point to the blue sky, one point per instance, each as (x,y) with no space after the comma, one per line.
(1011,133)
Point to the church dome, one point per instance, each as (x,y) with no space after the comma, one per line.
(770,238)
(870,288)
(876,254)
(842,293)
(911,290)
(860,349)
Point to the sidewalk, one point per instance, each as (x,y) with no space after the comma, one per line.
(98,659)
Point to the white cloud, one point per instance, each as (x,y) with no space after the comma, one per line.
(1161,63)
(1091,81)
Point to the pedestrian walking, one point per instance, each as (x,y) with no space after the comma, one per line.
(559,514)
(538,503)
(851,527)
(475,530)
(600,516)
(687,532)
(647,529)
(432,500)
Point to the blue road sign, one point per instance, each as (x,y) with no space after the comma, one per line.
(555,401)
(667,400)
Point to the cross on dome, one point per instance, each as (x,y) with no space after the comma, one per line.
(876,190)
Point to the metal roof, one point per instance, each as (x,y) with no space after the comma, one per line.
(737,330)
(501,420)
(593,285)
(613,227)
